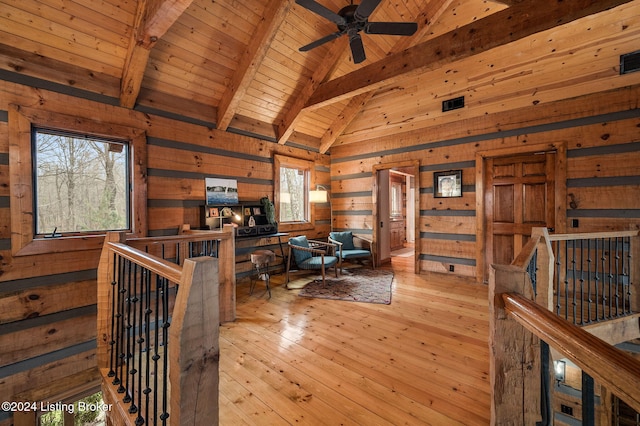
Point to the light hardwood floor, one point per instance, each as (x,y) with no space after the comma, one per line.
(422,360)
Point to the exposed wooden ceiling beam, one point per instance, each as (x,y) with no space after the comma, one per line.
(275,14)
(287,124)
(509,25)
(434,9)
(508,2)
(153,19)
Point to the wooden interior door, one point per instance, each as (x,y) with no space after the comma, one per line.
(520,193)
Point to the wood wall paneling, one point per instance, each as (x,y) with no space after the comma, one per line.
(180,155)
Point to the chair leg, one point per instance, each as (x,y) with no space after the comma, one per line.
(288,267)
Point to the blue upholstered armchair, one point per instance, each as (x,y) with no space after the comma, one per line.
(312,255)
(352,247)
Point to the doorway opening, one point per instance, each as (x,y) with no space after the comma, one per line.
(396,212)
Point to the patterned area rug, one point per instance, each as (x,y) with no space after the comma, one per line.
(355,285)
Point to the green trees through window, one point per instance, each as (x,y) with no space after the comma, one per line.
(81,183)
(293,190)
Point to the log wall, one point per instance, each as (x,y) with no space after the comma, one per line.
(48,301)
(602,136)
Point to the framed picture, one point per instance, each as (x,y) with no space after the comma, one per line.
(221,191)
(213,212)
(247,211)
(447,184)
(256,210)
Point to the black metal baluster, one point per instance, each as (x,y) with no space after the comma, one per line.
(582,298)
(604,284)
(121,323)
(165,336)
(588,400)
(589,289)
(596,278)
(610,276)
(617,277)
(147,319)
(156,355)
(573,281)
(128,327)
(137,327)
(546,406)
(132,334)
(627,275)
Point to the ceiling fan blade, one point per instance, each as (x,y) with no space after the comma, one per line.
(357,48)
(365,9)
(321,41)
(392,28)
(319,9)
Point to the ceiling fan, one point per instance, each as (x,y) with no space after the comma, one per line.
(351,20)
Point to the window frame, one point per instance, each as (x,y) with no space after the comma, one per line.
(21,122)
(309,167)
(126,147)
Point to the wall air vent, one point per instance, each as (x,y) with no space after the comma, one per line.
(453,104)
(630,62)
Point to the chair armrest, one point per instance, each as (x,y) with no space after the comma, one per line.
(328,246)
(337,244)
(309,249)
(365,239)
(332,241)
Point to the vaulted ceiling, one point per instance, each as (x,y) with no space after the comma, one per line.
(235,65)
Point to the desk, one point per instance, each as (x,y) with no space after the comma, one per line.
(258,237)
(245,246)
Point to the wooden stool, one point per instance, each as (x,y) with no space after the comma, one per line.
(261,259)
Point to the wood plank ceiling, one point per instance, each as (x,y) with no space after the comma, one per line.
(236,65)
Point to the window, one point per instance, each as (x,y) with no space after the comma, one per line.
(81,183)
(32,230)
(396,199)
(292,181)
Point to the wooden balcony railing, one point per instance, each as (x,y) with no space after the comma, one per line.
(158,324)
(546,298)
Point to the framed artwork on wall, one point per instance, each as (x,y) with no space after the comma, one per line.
(447,184)
(221,191)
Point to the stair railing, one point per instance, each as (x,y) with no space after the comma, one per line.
(158,327)
(524,319)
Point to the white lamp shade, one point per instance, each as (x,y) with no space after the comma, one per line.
(318,196)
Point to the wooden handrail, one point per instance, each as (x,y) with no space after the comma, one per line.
(613,368)
(190,236)
(592,235)
(162,267)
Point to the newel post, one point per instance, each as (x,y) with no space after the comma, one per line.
(514,353)
(227,274)
(194,352)
(545,268)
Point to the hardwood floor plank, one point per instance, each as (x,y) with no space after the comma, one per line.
(423,359)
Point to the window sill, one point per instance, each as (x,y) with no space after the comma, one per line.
(61,245)
(295,226)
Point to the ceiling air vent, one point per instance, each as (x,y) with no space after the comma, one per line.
(630,62)
(453,104)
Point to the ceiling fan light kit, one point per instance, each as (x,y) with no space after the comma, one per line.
(353,19)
